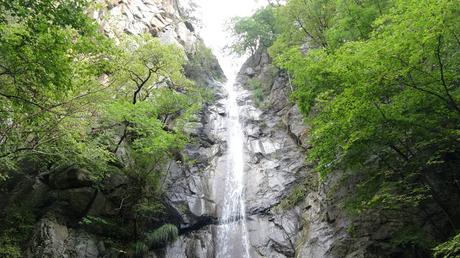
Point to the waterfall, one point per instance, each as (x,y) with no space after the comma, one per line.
(232,235)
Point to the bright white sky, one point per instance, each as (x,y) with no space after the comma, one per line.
(214,15)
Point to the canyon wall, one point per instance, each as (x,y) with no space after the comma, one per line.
(290,211)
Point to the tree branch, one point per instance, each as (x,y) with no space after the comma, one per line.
(443,79)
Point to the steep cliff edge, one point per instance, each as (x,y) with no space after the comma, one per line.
(307,208)
(291,194)
(66,213)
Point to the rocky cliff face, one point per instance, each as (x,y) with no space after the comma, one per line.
(164,19)
(68,203)
(282,222)
(274,164)
(286,221)
(290,226)
(276,141)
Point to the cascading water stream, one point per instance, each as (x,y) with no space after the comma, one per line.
(232,235)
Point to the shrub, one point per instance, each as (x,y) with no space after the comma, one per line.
(140,248)
(162,235)
(448,249)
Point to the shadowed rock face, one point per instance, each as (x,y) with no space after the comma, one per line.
(55,239)
(64,195)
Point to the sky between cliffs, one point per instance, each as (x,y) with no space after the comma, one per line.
(214,15)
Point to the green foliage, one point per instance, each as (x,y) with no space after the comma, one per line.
(162,235)
(155,100)
(89,220)
(261,86)
(448,249)
(256,31)
(378,82)
(353,21)
(203,65)
(114,230)
(410,236)
(71,95)
(60,106)
(297,195)
(63,13)
(258,92)
(8,248)
(150,208)
(51,58)
(384,102)
(140,249)
(352,229)
(16,225)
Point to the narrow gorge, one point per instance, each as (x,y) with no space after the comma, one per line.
(229,129)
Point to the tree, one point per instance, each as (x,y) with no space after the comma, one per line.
(378,81)
(256,31)
(152,96)
(51,58)
(67,89)
(70,96)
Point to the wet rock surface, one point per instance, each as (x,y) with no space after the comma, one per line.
(188,187)
(274,158)
(195,244)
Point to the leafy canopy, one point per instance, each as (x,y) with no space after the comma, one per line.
(70,95)
(251,33)
(378,81)
(51,58)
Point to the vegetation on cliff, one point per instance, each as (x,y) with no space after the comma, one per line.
(71,96)
(378,80)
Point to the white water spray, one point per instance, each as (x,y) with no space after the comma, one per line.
(232,238)
(232,235)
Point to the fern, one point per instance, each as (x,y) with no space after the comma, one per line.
(140,249)
(162,235)
(448,249)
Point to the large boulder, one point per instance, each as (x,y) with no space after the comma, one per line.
(70,178)
(53,239)
(77,200)
(48,239)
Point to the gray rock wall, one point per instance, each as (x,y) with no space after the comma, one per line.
(162,18)
(69,194)
(278,140)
